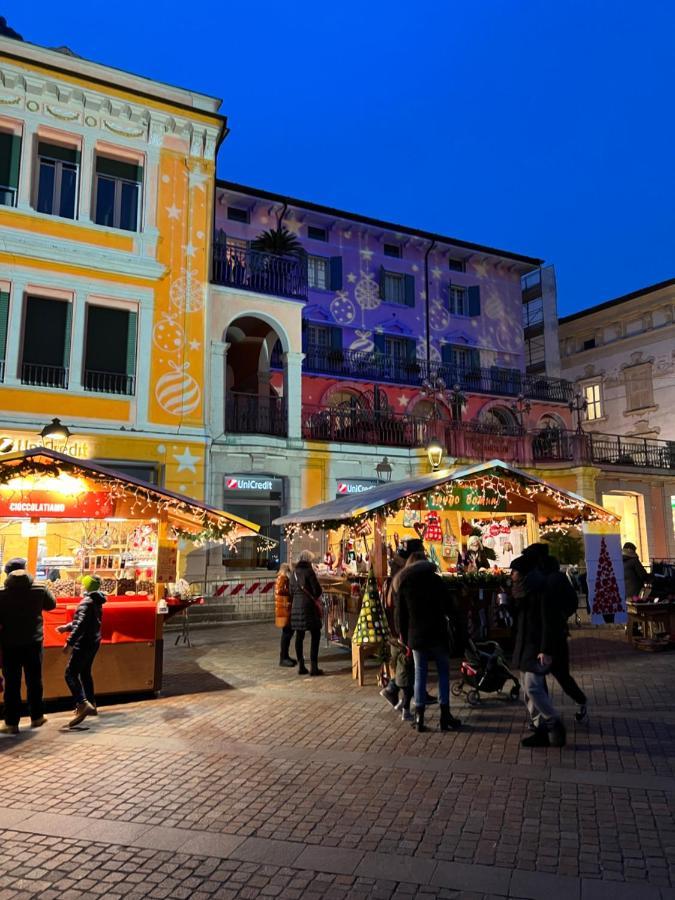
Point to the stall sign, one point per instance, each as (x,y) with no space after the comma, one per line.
(51,505)
(347,486)
(33,529)
(167,563)
(465,499)
(252,483)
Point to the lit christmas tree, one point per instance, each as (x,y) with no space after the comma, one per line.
(371,626)
(606,600)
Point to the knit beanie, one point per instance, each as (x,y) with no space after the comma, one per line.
(91,583)
(13,564)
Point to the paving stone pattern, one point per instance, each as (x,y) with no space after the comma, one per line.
(246,780)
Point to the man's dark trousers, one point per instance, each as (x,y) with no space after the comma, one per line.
(78,673)
(26,659)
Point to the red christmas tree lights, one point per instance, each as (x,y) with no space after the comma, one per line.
(606,599)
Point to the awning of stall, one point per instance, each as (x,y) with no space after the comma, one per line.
(519,491)
(41,470)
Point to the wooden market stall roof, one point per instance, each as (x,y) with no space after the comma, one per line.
(353,508)
(190,512)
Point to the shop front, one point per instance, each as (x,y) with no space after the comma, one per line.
(259,498)
(69,518)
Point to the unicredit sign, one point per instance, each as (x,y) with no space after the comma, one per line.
(249,483)
(349,486)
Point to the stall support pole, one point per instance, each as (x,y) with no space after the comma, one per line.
(380,548)
(32,552)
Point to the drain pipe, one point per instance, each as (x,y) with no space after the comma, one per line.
(426,299)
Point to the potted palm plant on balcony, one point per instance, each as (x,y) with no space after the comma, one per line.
(278,241)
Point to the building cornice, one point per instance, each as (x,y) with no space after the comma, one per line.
(608,304)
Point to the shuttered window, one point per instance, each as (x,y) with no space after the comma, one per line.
(4,321)
(110,350)
(46,342)
(317,272)
(10,154)
(118,193)
(639,386)
(57,179)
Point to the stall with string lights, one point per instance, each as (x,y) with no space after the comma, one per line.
(473,522)
(70,518)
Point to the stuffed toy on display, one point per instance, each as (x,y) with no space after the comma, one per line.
(433,532)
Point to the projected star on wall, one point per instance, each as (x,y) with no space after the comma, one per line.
(186,461)
(173,212)
(351,278)
(402,400)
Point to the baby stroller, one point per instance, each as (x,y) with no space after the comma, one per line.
(484,670)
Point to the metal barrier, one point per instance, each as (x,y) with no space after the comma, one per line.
(244,599)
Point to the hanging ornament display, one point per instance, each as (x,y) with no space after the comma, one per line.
(168,334)
(177,392)
(371,625)
(364,342)
(367,292)
(187,292)
(342,308)
(433,527)
(439,317)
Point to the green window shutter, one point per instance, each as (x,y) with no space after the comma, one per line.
(335,273)
(409,288)
(336,338)
(132,330)
(411,350)
(474,358)
(67,336)
(116,168)
(379,343)
(56,151)
(10,155)
(4,320)
(381,282)
(474,300)
(446,354)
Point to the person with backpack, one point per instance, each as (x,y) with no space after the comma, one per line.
(560,591)
(21,635)
(306,612)
(84,640)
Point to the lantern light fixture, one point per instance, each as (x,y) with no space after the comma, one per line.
(383,469)
(55,431)
(435,451)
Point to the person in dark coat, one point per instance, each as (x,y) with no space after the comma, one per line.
(306,613)
(423,608)
(21,635)
(84,640)
(540,639)
(635,575)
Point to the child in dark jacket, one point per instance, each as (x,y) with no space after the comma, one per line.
(83,641)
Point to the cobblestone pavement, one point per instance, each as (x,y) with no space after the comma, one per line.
(244,780)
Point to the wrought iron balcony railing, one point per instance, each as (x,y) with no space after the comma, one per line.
(379,368)
(251,270)
(44,376)
(363,426)
(109,382)
(551,445)
(252,414)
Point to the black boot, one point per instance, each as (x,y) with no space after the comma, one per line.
(418,723)
(538,738)
(286,662)
(302,669)
(448,722)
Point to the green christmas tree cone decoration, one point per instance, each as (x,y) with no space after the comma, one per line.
(371,626)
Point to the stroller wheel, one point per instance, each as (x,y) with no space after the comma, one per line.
(514,693)
(456,688)
(473,698)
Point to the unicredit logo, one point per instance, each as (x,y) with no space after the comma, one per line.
(345,487)
(248,484)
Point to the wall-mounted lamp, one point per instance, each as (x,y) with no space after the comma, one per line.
(435,451)
(55,431)
(383,469)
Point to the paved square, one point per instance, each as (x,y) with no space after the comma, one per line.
(245,780)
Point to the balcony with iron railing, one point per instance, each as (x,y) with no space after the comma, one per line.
(38,375)
(109,382)
(252,270)
(254,414)
(552,445)
(379,368)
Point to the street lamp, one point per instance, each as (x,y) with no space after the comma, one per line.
(457,401)
(435,451)
(383,469)
(579,405)
(521,408)
(55,431)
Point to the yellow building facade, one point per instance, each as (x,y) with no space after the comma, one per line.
(106,205)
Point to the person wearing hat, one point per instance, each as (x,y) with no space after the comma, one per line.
(21,636)
(84,639)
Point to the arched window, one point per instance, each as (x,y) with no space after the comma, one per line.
(499,419)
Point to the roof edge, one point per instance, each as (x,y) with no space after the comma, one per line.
(531,261)
(607,304)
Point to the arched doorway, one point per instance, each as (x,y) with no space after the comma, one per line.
(498,420)
(254,378)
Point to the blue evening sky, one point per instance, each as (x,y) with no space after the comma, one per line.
(540,126)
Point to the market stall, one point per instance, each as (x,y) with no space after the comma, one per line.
(473,521)
(70,518)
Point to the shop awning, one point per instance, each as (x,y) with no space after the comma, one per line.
(191,515)
(351,509)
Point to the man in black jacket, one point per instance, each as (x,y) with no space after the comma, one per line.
(84,639)
(21,636)
(540,640)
